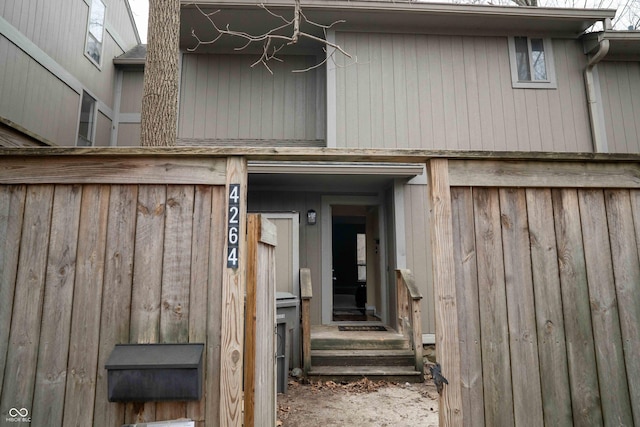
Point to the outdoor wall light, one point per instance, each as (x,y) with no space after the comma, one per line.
(311,217)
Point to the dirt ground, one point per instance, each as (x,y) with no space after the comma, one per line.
(365,403)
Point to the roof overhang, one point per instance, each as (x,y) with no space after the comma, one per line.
(623,45)
(386,16)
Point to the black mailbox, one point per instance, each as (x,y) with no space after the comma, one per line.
(155,372)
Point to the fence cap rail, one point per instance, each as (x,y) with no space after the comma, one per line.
(407,278)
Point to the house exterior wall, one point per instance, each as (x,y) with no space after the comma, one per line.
(223,97)
(44,67)
(620,94)
(455,93)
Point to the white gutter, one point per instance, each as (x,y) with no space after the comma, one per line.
(594,101)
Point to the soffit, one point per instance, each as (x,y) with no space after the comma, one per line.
(395,17)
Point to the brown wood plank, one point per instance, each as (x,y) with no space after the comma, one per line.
(87,303)
(447,344)
(585,395)
(468,306)
(198,298)
(552,350)
(616,405)
(250,333)
(496,370)
(116,302)
(265,349)
(544,174)
(53,351)
(523,340)
(626,270)
(147,281)
(176,266)
(112,170)
(214,302)
(22,351)
(12,199)
(233,288)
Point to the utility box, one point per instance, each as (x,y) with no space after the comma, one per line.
(155,372)
(288,311)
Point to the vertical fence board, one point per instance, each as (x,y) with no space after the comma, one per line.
(250,332)
(585,395)
(176,280)
(552,351)
(116,295)
(198,297)
(626,270)
(232,337)
(523,341)
(468,306)
(214,296)
(51,375)
(12,199)
(498,394)
(147,281)
(22,350)
(87,302)
(447,342)
(616,406)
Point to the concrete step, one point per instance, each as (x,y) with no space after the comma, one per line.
(385,357)
(374,373)
(328,338)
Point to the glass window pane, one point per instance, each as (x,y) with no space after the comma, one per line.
(538,59)
(522,59)
(362,273)
(96,21)
(87,114)
(94,48)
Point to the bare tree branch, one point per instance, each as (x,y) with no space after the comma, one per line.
(273,40)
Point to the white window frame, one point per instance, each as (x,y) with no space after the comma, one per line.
(89,35)
(92,121)
(516,83)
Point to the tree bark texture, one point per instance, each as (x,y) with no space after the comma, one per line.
(160,96)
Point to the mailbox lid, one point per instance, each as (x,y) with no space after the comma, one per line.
(155,356)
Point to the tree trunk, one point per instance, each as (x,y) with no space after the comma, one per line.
(160,96)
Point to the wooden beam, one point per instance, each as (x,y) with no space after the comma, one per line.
(111,170)
(306,294)
(253,237)
(233,289)
(447,345)
(506,173)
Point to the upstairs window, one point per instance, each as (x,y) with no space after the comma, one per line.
(86,126)
(95,32)
(531,63)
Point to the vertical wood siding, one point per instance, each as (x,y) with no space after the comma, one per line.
(132,86)
(547,289)
(85,267)
(223,97)
(454,92)
(620,90)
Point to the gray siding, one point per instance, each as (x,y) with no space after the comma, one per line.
(418,247)
(132,86)
(103,131)
(223,97)
(310,238)
(454,92)
(620,89)
(35,99)
(128,134)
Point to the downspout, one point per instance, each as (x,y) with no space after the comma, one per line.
(596,114)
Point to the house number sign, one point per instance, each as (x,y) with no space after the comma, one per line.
(233,226)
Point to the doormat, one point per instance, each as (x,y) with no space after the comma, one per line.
(363,328)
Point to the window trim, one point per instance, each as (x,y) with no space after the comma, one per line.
(516,83)
(88,34)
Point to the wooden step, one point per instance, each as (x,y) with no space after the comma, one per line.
(330,338)
(374,373)
(402,357)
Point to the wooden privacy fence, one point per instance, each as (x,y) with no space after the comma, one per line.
(98,250)
(537,279)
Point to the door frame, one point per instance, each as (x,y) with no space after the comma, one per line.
(295,244)
(326,249)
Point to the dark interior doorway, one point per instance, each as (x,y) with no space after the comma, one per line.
(349,268)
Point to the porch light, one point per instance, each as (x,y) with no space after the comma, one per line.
(311,217)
